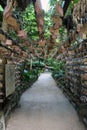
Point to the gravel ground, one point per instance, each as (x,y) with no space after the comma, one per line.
(44,107)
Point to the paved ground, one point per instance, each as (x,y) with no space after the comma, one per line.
(44,107)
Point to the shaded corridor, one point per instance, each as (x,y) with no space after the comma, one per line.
(44,107)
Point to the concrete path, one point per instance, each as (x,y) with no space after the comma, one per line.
(44,107)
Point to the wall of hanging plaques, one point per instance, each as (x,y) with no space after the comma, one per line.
(76,72)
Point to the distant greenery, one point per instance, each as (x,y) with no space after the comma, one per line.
(58,69)
(47,25)
(63,33)
(53,4)
(32,74)
(30,24)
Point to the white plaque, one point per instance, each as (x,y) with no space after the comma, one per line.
(9,79)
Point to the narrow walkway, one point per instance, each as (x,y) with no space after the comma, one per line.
(44,107)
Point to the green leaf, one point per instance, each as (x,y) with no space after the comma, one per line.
(1,9)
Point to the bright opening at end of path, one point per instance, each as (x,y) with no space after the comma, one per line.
(45,5)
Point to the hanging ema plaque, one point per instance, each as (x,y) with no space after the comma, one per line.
(9,79)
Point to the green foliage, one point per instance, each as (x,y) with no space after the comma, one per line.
(52,2)
(53,6)
(49,22)
(70,8)
(58,69)
(47,25)
(18,14)
(1,9)
(76,1)
(38,64)
(63,33)
(30,24)
(1,14)
(32,74)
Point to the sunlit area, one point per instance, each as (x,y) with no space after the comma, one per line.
(1,9)
(43,64)
(45,4)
